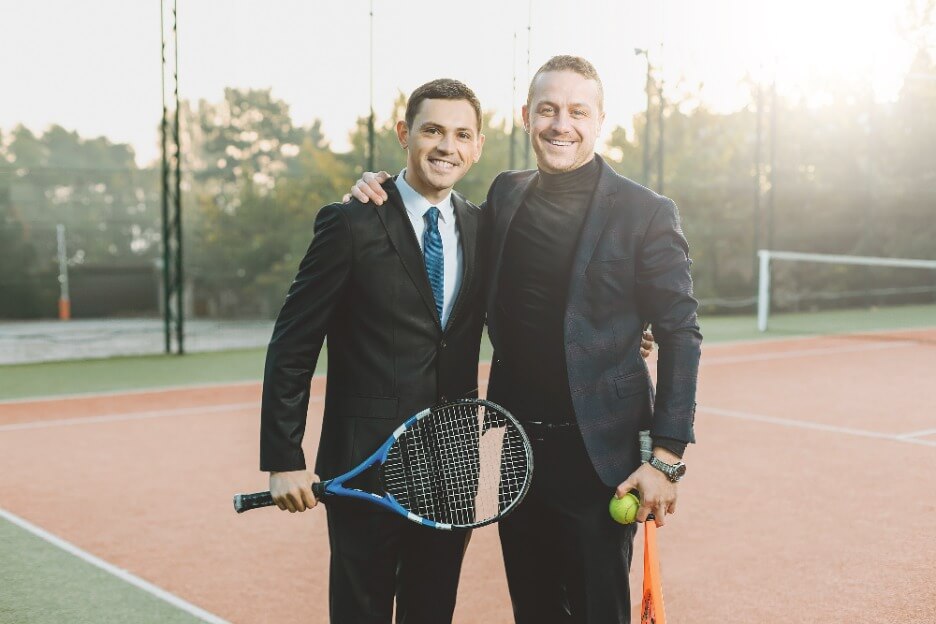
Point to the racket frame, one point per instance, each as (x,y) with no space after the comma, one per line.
(336,486)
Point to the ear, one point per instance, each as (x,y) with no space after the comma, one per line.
(402,133)
(525,114)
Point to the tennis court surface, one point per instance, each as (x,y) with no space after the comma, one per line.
(809,498)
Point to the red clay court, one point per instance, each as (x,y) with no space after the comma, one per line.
(809,498)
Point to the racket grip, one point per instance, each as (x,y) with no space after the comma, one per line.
(318,489)
(246,502)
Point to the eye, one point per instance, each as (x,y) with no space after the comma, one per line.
(580,113)
(465,135)
(432,130)
(546,110)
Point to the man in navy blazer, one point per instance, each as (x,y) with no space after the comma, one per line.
(579,260)
(403,329)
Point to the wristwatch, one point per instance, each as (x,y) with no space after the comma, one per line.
(673,472)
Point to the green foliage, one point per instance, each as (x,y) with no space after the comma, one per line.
(850,176)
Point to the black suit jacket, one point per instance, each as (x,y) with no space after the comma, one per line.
(363,284)
(630,266)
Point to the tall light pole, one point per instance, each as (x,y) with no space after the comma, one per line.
(526,157)
(370,119)
(773,165)
(646,142)
(758,167)
(660,135)
(513,102)
(173,279)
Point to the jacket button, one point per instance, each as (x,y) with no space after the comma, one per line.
(443,344)
(443,398)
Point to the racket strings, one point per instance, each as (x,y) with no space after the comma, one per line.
(462,465)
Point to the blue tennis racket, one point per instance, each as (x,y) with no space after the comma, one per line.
(454,466)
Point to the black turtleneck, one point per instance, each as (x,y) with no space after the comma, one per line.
(534,286)
(533,289)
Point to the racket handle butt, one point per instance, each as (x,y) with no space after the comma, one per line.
(246,502)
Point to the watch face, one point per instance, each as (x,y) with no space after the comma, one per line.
(680,470)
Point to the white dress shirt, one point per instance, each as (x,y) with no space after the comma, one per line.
(416,208)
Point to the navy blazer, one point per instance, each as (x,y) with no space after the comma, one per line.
(630,267)
(363,284)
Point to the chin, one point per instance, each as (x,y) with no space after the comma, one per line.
(556,166)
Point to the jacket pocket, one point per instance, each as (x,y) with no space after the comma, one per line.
(367,407)
(631,385)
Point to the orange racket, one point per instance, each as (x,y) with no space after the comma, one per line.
(651,607)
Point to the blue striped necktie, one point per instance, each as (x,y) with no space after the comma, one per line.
(432,252)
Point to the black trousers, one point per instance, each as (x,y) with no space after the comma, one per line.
(567,560)
(377,555)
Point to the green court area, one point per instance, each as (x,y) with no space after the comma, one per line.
(42,584)
(129,373)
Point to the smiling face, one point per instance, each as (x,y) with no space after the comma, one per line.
(563,118)
(442,145)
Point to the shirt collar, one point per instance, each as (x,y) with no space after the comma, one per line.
(417,205)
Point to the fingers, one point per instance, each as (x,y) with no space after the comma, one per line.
(308,498)
(346,198)
(643,511)
(659,513)
(371,186)
(625,487)
(358,194)
(292,491)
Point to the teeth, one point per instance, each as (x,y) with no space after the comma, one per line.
(561,143)
(441,163)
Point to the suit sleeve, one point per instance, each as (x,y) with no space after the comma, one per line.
(664,297)
(297,341)
(486,238)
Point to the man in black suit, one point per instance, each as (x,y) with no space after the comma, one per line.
(399,295)
(580,259)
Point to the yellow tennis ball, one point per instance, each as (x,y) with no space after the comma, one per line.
(624,510)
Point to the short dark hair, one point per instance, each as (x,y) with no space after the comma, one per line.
(441,89)
(565,62)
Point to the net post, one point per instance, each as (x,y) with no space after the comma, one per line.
(763,295)
(64,302)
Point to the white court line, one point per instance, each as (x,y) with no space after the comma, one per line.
(104,418)
(918,434)
(181,411)
(784,355)
(120,573)
(802,424)
(133,391)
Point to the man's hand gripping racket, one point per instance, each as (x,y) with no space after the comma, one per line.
(458,465)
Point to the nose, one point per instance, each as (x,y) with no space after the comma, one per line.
(561,123)
(446,144)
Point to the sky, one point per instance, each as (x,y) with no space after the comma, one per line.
(95,66)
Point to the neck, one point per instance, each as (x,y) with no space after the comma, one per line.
(581,177)
(432,195)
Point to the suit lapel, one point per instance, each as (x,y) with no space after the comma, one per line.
(467,221)
(403,239)
(506,211)
(598,212)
